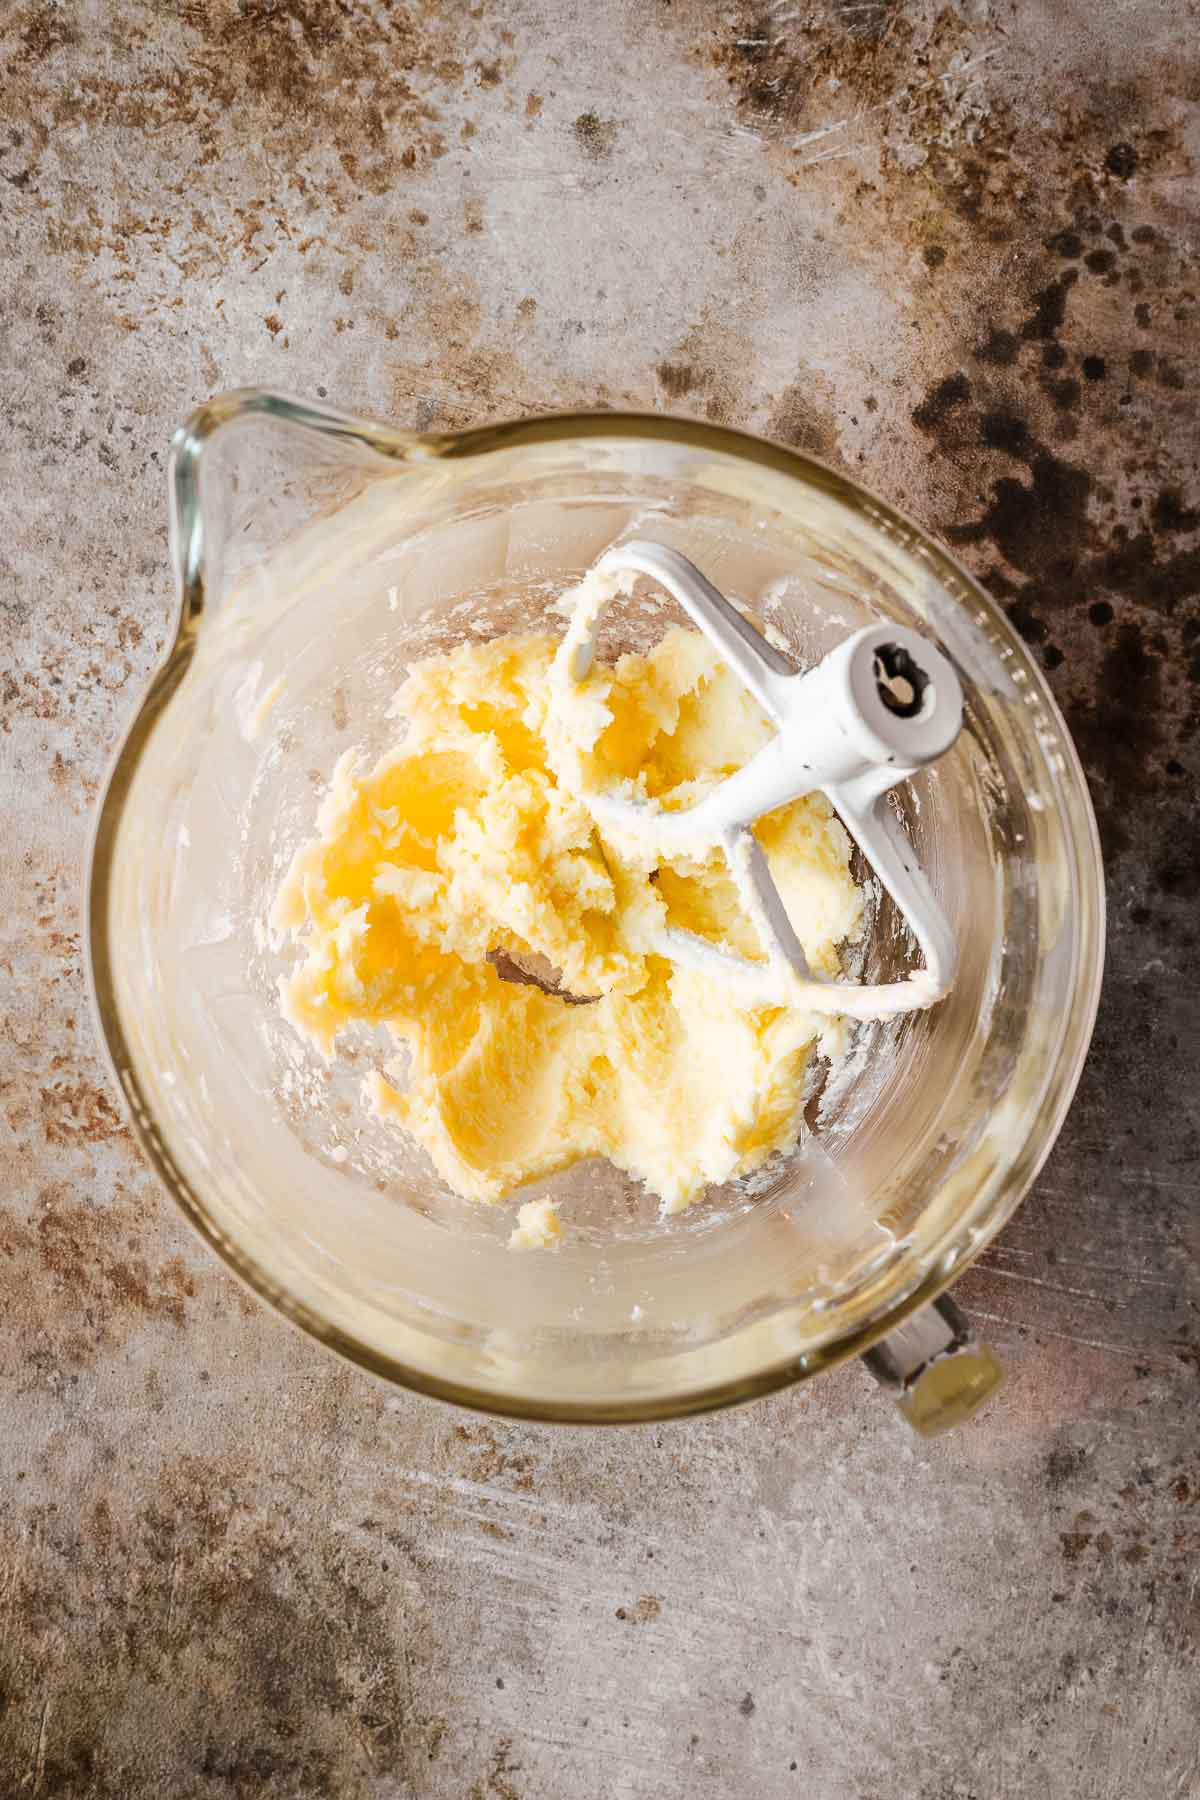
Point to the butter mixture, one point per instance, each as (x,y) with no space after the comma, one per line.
(460,895)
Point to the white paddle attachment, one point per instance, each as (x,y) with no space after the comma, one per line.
(879,707)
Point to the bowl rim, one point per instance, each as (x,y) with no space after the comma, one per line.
(394,445)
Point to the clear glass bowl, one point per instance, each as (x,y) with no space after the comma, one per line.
(317,556)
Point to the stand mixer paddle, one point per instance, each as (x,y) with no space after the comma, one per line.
(880,706)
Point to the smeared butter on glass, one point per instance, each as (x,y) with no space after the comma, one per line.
(472,840)
(537,1227)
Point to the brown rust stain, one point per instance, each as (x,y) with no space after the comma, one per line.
(676,379)
(1062,1467)
(1031,372)
(79,1247)
(645,1608)
(489,1459)
(477,378)
(47,28)
(804,415)
(1038,380)
(74,1110)
(898,68)
(704,375)
(1076,1541)
(370,80)
(596,137)
(497,1782)
(195,1592)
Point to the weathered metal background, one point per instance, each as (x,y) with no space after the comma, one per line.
(952,248)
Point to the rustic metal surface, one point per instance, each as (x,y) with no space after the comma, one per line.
(951,247)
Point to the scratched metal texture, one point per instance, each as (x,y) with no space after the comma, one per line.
(951,248)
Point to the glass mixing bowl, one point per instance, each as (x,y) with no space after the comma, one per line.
(317,556)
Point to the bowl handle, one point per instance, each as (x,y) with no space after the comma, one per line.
(935,1368)
(249,467)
